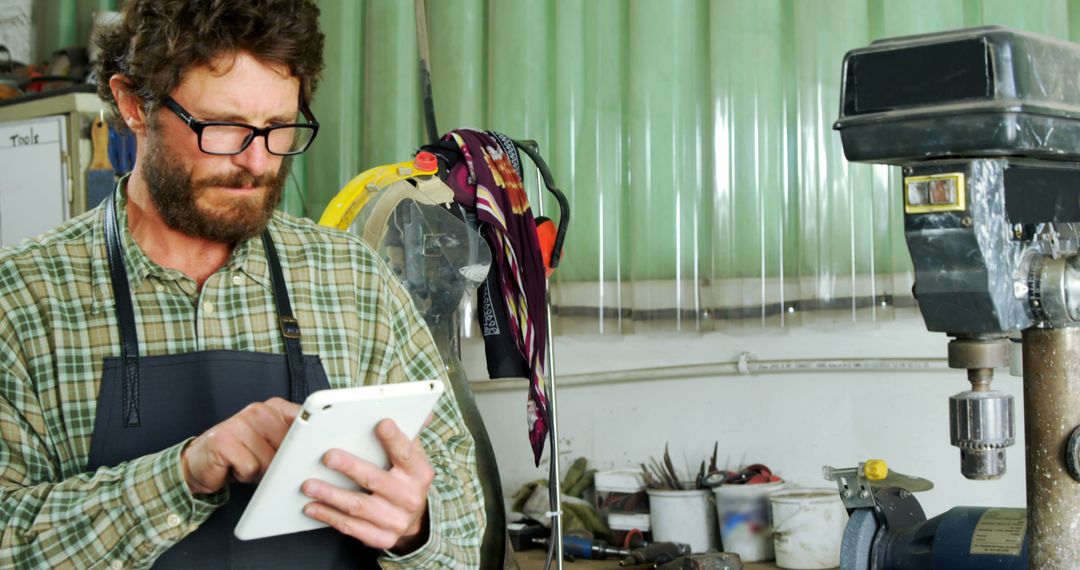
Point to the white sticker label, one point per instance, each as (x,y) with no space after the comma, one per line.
(1000,531)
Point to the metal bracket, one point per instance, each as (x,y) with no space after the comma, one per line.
(855,490)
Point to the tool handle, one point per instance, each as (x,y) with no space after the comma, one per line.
(581,547)
(99,140)
(564,205)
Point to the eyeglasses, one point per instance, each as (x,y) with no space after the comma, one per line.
(226,139)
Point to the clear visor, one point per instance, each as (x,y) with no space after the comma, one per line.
(435,254)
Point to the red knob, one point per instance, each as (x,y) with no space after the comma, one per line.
(426,162)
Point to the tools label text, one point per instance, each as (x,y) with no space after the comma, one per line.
(24,139)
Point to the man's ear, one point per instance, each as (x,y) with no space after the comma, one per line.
(130,107)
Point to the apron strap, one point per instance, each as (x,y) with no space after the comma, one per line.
(125,315)
(290,328)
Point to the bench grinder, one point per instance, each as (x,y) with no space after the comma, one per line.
(985,125)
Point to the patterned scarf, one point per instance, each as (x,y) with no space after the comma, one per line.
(489,182)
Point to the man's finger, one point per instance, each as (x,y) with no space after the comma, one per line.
(261,449)
(363,531)
(401,450)
(241,445)
(287,409)
(406,491)
(269,420)
(364,473)
(244,465)
(361,506)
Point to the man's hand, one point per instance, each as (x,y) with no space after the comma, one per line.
(392,515)
(239,448)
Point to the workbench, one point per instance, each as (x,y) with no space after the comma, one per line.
(534,560)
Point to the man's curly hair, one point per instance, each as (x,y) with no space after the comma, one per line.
(157,41)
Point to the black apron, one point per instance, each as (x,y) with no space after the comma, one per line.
(148,404)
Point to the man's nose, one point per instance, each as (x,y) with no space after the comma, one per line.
(255,158)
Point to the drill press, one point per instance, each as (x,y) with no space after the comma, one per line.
(985,125)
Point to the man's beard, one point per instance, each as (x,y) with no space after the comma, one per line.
(176,196)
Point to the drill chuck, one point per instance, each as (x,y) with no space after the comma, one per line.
(981,425)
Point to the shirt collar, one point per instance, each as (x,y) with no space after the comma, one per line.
(248,256)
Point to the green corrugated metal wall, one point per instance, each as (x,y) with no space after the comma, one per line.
(693,137)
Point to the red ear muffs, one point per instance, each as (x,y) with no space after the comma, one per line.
(545,234)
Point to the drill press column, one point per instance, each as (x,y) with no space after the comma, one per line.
(1051,413)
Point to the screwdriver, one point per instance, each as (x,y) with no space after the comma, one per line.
(588,548)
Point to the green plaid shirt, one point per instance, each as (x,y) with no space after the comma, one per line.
(58,324)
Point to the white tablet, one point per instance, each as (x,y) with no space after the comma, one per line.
(345,419)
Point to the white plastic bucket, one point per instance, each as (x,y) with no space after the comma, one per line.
(808,526)
(684,516)
(745,525)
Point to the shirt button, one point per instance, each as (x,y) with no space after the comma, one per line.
(208,308)
(237,280)
(116,565)
(159,287)
(173,520)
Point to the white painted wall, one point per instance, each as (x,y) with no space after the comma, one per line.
(795,423)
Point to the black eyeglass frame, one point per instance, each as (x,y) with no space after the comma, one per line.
(197,126)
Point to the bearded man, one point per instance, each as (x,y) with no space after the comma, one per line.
(155,350)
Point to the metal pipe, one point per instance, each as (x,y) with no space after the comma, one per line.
(556,518)
(1051,412)
(741,367)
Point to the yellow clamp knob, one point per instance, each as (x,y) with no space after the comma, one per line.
(875,469)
